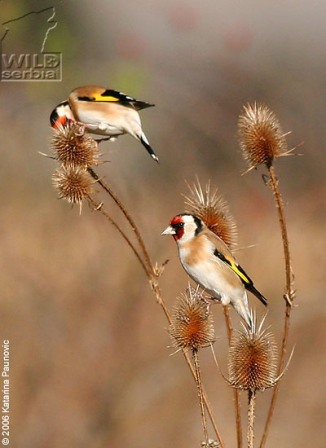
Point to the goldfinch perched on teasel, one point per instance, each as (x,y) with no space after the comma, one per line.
(209,262)
(104,112)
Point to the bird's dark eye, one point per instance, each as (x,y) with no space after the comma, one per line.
(179,225)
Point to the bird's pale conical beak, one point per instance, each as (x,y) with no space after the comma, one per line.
(168,231)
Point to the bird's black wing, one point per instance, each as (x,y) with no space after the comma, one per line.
(246,280)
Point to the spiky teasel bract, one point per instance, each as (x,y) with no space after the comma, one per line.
(73,146)
(253,359)
(192,323)
(213,210)
(260,135)
(73,183)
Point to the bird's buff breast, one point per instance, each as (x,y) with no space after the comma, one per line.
(209,279)
(211,275)
(99,121)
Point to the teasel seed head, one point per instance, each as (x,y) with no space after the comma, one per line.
(213,210)
(73,183)
(260,135)
(253,359)
(73,146)
(192,322)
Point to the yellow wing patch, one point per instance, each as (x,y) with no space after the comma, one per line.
(238,270)
(99,97)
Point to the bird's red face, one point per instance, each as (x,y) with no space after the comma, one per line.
(176,228)
(177,224)
(184,227)
(60,121)
(61,115)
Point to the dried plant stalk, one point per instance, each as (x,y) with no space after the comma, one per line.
(251,418)
(237,406)
(289,295)
(200,394)
(110,192)
(262,141)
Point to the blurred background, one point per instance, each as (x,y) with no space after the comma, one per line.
(90,362)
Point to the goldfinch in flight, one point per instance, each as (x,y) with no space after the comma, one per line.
(104,112)
(209,262)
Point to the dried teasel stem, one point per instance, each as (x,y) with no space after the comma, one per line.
(289,295)
(200,393)
(262,141)
(251,418)
(281,216)
(98,206)
(237,405)
(108,189)
(206,401)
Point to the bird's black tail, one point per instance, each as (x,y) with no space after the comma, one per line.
(255,292)
(138,105)
(148,147)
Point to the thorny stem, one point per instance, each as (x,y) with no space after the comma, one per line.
(200,393)
(97,206)
(158,295)
(235,391)
(280,209)
(289,294)
(207,404)
(140,240)
(251,417)
(227,322)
